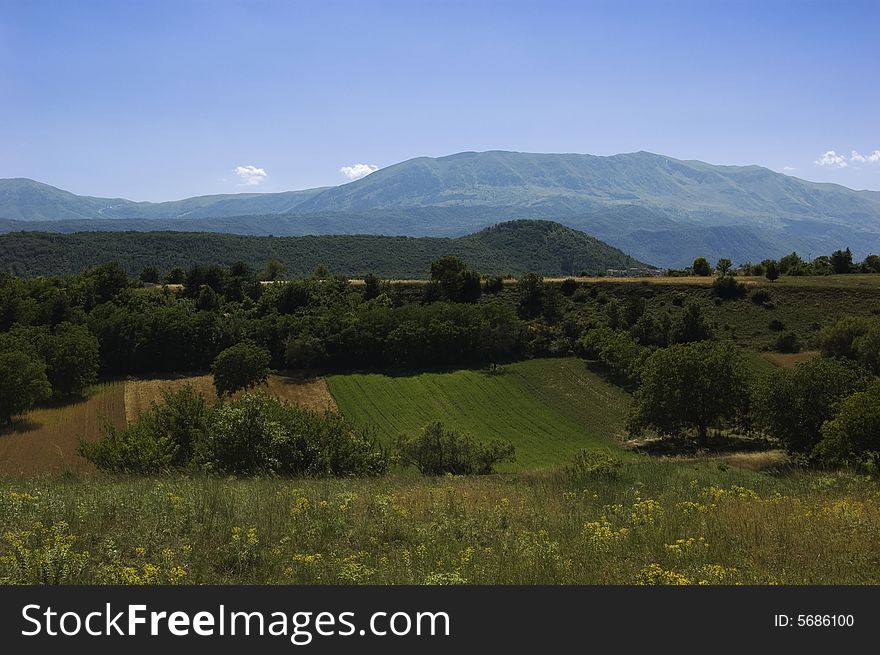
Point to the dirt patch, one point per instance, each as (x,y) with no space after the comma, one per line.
(789,360)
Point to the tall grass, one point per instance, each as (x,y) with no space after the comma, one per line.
(644,522)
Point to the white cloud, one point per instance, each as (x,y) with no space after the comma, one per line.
(789,169)
(357,171)
(857,157)
(250,175)
(832,159)
(874,157)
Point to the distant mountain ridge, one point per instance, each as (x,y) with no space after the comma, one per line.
(657,208)
(513,247)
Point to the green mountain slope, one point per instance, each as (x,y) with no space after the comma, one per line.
(514,247)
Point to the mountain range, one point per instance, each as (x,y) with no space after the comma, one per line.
(658,209)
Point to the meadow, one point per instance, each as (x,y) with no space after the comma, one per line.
(644,522)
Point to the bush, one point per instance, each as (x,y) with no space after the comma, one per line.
(568,286)
(590,465)
(253,435)
(438,451)
(260,435)
(493,285)
(760,296)
(163,438)
(787,343)
(776,325)
(853,434)
(727,288)
(837,339)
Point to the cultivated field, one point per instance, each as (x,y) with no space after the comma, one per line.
(548,408)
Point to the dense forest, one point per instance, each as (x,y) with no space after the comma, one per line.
(514,247)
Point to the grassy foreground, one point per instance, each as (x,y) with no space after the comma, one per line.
(655,522)
(548,408)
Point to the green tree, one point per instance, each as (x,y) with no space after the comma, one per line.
(372,287)
(694,386)
(531,295)
(23,384)
(842,261)
(501,333)
(771,270)
(838,339)
(457,283)
(691,325)
(72,358)
(150,275)
(853,434)
(175,276)
(723,267)
(242,366)
(303,350)
(493,285)
(275,270)
(701,267)
(792,404)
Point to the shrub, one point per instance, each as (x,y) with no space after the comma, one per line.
(853,434)
(253,435)
(164,437)
(837,339)
(776,325)
(787,343)
(258,435)
(493,285)
(593,465)
(760,296)
(438,451)
(726,287)
(568,286)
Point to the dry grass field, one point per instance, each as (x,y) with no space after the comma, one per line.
(311,392)
(789,360)
(45,439)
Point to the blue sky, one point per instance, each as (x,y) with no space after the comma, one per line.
(163,100)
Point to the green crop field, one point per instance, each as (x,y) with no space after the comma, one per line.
(548,408)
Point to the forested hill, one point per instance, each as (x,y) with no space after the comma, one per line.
(513,247)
